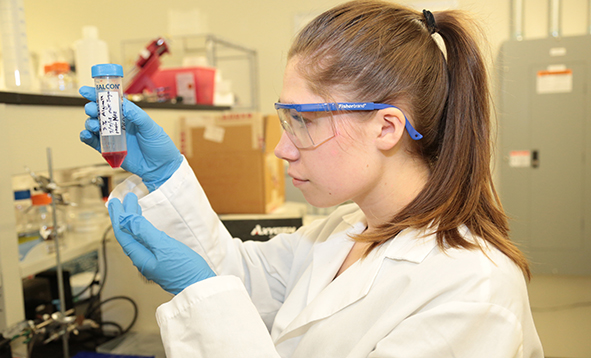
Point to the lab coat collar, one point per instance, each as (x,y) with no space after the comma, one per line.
(411,245)
(327,295)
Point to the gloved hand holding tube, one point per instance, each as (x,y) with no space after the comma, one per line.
(151,154)
(160,258)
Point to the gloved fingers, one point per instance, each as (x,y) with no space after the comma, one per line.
(90,134)
(134,114)
(143,231)
(88,92)
(91,109)
(90,139)
(92,125)
(141,257)
(116,211)
(131,205)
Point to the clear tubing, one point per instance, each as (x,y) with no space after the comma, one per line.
(109,97)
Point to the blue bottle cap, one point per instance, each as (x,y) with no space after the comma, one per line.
(22,194)
(107,69)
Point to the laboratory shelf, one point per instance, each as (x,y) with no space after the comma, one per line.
(71,101)
(77,244)
(238,64)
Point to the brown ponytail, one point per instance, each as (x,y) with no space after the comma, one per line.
(381,52)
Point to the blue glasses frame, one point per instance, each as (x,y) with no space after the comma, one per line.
(348,106)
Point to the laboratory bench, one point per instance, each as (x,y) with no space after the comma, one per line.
(29,125)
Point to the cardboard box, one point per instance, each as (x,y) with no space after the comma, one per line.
(232,156)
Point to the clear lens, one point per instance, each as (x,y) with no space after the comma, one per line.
(306,129)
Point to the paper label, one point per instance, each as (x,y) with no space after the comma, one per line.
(558,51)
(214,134)
(185,87)
(555,80)
(109,113)
(520,159)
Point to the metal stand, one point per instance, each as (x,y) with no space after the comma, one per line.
(54,235)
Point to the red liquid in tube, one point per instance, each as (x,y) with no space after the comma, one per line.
(115,159)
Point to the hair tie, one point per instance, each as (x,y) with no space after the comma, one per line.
(431,25)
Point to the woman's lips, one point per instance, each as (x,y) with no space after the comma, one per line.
(297,181)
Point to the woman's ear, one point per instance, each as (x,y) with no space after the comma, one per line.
(391,122)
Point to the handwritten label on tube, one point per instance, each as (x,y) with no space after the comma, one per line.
(109,113)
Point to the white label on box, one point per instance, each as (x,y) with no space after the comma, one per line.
(185,87)
(558,51)
(520,159)
(555,80)
(214,134)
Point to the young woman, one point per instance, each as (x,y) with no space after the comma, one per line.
(420,265)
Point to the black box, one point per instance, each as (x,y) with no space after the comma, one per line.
(261,229)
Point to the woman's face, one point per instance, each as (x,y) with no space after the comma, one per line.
(341,168)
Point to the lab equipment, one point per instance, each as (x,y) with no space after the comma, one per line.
(27,222)
(58,79)
(43,215)
(139,78)
(164,156)
(194,85)
(238,87)
(160,258)
(89,51)
(15,51)
(22,206)
(52,327)
(109,97)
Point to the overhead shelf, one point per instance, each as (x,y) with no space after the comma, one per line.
(49,100)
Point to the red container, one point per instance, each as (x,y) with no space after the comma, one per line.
(194,84)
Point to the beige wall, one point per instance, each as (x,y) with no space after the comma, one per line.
(267,26)
(264,25)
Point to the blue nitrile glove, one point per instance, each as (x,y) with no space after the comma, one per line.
(160,258)
(151,154)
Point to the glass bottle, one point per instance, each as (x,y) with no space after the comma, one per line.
(44,214)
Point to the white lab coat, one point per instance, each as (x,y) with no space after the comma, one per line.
(280,299)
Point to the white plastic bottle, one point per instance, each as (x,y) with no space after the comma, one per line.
(18,72)
(89,51)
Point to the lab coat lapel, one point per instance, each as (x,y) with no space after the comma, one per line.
(326,295)
(328,256)
(326,298)
(327,259)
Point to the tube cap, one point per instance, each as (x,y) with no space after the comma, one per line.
(107,69)
(41,199)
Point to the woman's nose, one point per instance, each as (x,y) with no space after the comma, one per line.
(286,150)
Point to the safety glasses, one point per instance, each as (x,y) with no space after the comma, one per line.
(309,125)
